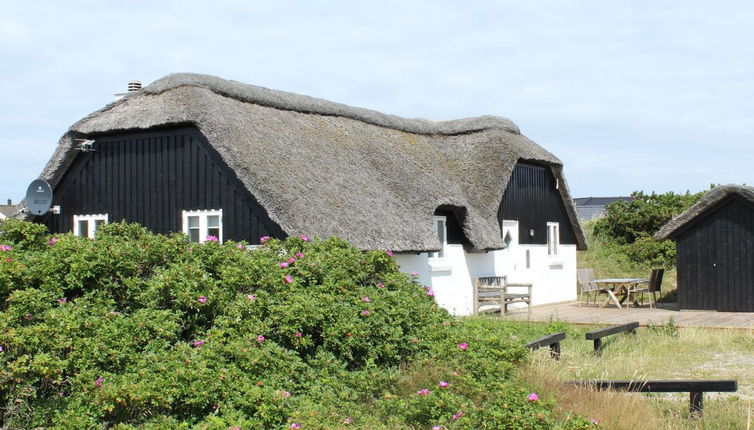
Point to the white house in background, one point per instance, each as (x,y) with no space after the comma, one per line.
(454,200)
(7,211)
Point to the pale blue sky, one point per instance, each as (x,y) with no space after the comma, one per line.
(640,95)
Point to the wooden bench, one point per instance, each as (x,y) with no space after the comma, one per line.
(551,340)
(497,290)
(597,335)
(696,389)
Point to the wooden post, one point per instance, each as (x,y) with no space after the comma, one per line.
(696,403)
(555,350)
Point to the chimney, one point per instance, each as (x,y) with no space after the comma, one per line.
(133,86)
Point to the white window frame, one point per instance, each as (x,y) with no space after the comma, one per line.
(91,228)
(553,238)
(442,253)
(203,215)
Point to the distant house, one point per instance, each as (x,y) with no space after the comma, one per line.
(715,250)
(8,210)
(589,208)
(205,156)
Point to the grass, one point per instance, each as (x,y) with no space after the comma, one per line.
(654,353)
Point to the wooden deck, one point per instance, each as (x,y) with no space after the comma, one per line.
(573,313)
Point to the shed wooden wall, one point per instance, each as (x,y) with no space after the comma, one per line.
(716,259)
(150,178)
(533,200)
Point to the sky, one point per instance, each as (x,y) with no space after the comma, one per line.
(641,95)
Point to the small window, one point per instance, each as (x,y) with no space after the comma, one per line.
(87,225)
(442,237)
(201,226)
(553,238)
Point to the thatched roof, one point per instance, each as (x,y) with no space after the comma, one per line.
(323,168)
(708,201)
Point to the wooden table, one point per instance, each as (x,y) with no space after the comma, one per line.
(618,286)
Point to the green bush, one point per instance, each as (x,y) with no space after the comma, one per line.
(631,225)
(136,330)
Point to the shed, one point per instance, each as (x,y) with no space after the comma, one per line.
(715,250)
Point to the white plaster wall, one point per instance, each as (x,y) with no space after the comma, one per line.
(452,279)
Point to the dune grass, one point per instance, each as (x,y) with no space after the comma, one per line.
(663,352)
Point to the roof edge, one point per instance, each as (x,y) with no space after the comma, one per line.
(708,201)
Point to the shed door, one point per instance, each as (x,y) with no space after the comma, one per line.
(733,257)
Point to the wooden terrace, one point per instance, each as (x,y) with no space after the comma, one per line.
(573,313)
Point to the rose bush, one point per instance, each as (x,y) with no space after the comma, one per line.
(136,330)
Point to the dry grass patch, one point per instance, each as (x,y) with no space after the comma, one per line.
(654,353)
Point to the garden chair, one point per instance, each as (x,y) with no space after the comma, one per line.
(498,292)
(588,285)
(652,287)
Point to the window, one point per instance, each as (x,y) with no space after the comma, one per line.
(510,233)
(442,236)
(201,225)
(553,238)
(87,225)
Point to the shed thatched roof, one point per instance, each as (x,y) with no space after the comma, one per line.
(708,201)
(327,169)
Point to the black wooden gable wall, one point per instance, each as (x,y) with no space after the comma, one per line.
(716,259)
(533,200)
(150,178)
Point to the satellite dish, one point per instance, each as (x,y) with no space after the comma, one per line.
(38,197)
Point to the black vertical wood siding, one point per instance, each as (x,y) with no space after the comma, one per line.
(716,259)
(532,199)
(150,178)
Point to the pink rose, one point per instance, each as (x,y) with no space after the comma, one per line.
(202,299)
(288,279)
(199,343)
(304,238)
(283,265)
(463,345)
(533,397)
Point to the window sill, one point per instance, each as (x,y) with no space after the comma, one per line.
(440,266)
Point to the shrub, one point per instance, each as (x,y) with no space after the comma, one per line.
(136,330)
(629,226)
(135,325)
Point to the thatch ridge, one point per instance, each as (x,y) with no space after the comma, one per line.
(708,201)
(322,168)
(305,104)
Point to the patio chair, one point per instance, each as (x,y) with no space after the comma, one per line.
(652,287)
(498,292)
(588,285)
